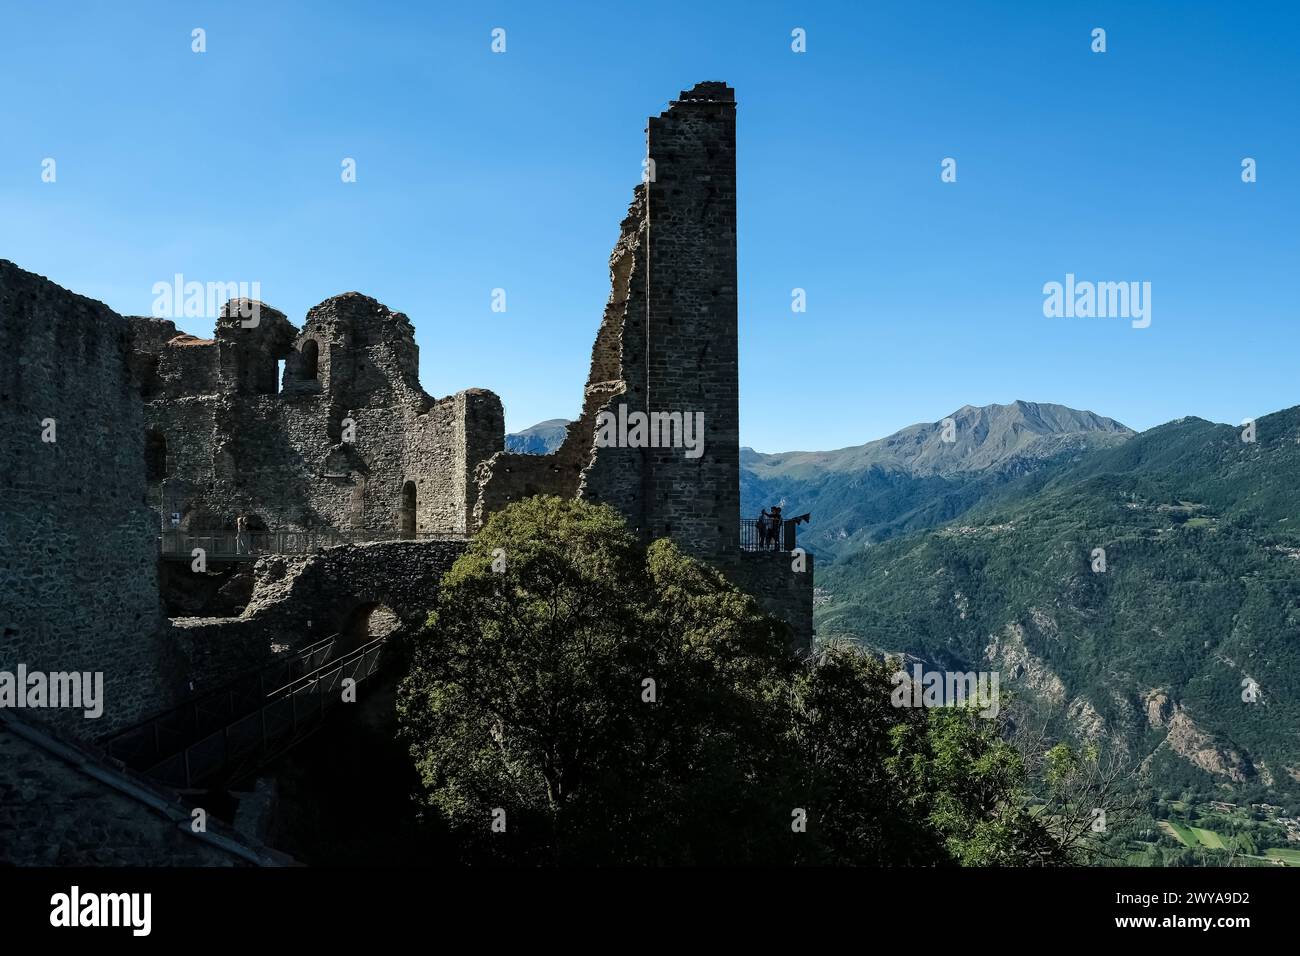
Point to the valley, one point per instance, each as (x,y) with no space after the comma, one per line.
(1136,591)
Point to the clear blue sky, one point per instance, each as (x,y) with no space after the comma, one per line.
(478,170)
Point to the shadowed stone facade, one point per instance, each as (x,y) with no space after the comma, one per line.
(78,549)
(62,804)
(351,442)
(153,423)
(297,601)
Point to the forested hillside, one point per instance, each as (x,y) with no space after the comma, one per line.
(1140,594)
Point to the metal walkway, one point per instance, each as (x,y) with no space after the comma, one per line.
(251,545)
(218,737)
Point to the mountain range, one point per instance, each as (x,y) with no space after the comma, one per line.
(923,475)
(1149,595)
(1141,590)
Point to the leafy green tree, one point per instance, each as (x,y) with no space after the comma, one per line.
(629,705)
(718,761)
(969,782)
(615,704)
(846,730)
(520,695)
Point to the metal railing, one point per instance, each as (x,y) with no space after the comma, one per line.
(289,714)
(284,717)
(250,545)
(145,744)
(247,546)
(757,535)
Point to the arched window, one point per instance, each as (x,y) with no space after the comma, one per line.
(310,359)
(408,510)
(155,455)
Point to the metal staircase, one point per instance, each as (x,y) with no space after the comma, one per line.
(219,737)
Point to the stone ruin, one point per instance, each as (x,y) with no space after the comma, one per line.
(346,439)
(667,345)
(163,435)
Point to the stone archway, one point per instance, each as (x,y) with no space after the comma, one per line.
(310,360)
(364,623)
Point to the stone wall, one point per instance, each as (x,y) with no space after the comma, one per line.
(350,441)
(667,344)
(575,469)
(300,600)
(78,576)
(782,591)
(691,322)
(61,805)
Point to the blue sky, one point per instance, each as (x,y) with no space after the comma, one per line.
(478,171)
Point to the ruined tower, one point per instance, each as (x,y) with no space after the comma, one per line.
(691,318)
(348,441)
(667,349)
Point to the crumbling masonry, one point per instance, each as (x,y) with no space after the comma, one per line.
(160,433)
(350,442)
(668,344)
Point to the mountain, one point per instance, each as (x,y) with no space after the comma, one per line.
(925,474)
(1140,595)
(983,438)
(541,439)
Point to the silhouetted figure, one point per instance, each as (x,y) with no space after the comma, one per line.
(774,527)
(769,529)
(243,544)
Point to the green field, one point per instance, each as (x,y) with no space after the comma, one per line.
(1290,857)
(1209,839)
(1179,832)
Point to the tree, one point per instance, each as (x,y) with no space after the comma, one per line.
(970,783)
(847,732)
(604,703)
(617,705)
